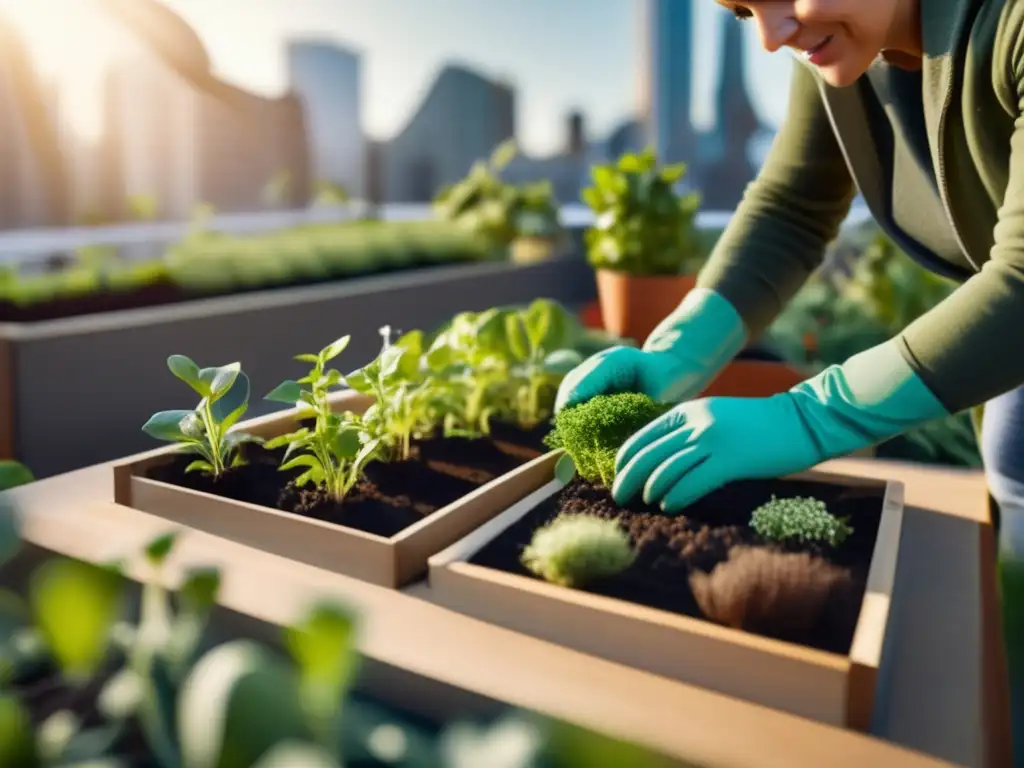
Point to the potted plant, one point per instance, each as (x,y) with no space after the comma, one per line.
(775,591)
(643,245)
(369,480)
(521,220)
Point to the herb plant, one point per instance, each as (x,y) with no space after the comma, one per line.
(802,519)
(403,394)
(338,447)
(591,433)
(573,550)
(204,430)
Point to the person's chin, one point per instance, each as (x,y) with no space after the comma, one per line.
(840,75)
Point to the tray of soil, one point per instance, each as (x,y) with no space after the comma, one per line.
(773,591)
(374,520)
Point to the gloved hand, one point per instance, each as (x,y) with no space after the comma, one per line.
(677,361)
(700,446)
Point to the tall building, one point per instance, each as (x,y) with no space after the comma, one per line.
(462,119)
(326,77)
(666,77)
(33,175)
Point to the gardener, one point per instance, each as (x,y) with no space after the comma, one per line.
(920,105)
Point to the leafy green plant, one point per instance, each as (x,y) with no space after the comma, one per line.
(591,433)
(205,430)
(495,210)
(336,450)
(13,474)
(801,519)
(643,226)
(574,549)
(403,395)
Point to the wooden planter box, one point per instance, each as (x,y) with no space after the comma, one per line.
(115,363)
(390,562)
(830,688)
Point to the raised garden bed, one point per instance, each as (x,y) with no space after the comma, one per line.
(372,481)
(116,360)
(710,597)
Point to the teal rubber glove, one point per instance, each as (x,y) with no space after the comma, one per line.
(678,360)
(700,446)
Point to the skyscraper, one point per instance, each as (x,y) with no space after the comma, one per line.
(325,76)
(666,77)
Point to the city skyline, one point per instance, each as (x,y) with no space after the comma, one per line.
(402,59)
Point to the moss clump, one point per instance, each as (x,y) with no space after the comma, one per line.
(592,432)
(573,550)
(802,519)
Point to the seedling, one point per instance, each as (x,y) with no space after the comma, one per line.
(573,550)
(539,342)
(338,447)
(802,519)
(403,395)
(205,430)
(591,434)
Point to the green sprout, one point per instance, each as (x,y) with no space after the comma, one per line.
(801,519)
(591,433)
(573,550)
(402,394)
(205,429)
(338,447)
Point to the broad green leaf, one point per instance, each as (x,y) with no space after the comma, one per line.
(74,605)
(347,442)
(17,740)
(548,325)
(167,425)
(286,392)
(199,465)
(518,340)
(440,357)
(303,460)
(218,381)
(390,360)
(192,425)
(186,370)
(323,646)
(229,408)
(159,548)
(360,382)
(13,474)
(565,469)
(333,378)
(335,348)
(238,702)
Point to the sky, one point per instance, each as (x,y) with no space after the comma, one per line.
(561,54)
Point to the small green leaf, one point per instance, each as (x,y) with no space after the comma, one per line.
(227,409)
(334,349)
(74,605)
(200,465)
(303,460)
(167,425)
(198,592)
(218,381)
(186,370)
(13,474)
(307,358)
(360,382)
(159,548)
(286,392)
(347,442)
(565,469)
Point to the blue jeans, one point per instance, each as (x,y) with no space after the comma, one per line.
(1002,449)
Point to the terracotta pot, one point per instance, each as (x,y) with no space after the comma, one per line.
(632,306)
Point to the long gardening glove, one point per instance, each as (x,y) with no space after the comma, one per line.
(677,361)
(700,446)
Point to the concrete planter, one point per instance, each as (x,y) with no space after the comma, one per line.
(76,392)
(835,689)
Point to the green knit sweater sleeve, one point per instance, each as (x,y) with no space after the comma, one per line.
(970,347)
(788,215)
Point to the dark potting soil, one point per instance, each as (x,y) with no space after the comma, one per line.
(708,563)
(390,497)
